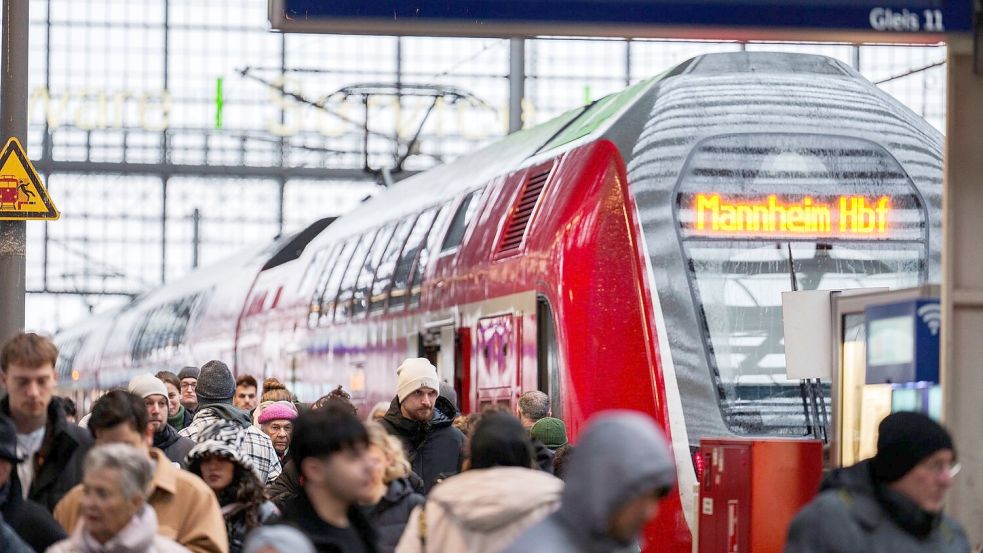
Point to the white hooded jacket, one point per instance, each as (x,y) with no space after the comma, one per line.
(481,511)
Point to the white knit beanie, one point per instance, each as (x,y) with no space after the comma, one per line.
(145,385)
(414,374)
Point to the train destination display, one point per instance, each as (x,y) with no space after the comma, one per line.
(844,215)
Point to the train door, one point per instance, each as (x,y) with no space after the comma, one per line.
(548,356)
(497,361)
(448,348)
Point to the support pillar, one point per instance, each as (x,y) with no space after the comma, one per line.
(517,82)
(13,123)
(962,284)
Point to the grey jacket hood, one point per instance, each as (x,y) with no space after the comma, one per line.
(620,456)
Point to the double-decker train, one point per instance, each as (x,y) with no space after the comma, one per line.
(627,254)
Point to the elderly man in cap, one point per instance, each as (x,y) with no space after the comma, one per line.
(154,394)
(422,420)
(277,421)
(189,383)
(215,390)
(891,503)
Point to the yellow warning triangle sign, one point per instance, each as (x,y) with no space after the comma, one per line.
(22,194)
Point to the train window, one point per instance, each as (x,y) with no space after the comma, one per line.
(329,292)
(459,224)
(346,291)
(163,327)
(320,268)
(404,267)
(67,351)
(421,261)
(384,273)
(363,288)
(316,271)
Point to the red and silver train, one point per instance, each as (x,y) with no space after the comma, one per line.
(627,254)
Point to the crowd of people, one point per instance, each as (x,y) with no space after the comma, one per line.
(201,461)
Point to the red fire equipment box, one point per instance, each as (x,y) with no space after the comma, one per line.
(750,490)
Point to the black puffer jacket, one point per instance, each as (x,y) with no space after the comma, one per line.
(63,451)
(299,513)
(174,445)
(286,486)
(390,514)
(434,448)
(29,520)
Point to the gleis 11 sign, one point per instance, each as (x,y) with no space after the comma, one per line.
(887,21)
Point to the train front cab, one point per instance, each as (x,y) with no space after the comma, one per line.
(548,291)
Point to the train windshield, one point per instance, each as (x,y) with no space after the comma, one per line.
(738,286)
(758,215)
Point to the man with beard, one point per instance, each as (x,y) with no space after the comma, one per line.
(154,395)
(422,420)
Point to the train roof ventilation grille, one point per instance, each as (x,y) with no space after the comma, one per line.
(515,231)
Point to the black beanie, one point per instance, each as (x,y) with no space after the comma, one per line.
(499,440)
(904,440)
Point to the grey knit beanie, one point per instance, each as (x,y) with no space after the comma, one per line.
(215,383)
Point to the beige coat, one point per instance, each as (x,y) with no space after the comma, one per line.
(186,508)
(482,511)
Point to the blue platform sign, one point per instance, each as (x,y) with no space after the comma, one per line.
(886,20)
(903,342)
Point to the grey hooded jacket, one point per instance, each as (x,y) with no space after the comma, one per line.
(852,515)
(620,455)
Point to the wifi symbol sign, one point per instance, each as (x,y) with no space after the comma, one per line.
(931,315)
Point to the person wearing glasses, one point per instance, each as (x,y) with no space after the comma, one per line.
(889,503)
(189,388)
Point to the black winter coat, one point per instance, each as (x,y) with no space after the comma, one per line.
(60,458)
(174,445)
(286,486)
(435,448)
(28,520)
(299,513)
(390,514)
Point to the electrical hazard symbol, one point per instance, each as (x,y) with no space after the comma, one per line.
(22,194)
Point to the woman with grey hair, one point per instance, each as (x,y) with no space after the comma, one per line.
(277,539)
(115,514)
